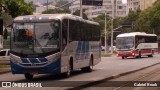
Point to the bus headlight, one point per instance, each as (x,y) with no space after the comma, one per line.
(133,54)
(15,58)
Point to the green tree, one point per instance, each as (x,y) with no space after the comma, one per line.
(149,19)
(154,15)
(143,22)
(77,12)
(7,19)
(54,11)
(101,20)
(61,3)
(18,7)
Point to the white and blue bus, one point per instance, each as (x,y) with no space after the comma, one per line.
(53,44)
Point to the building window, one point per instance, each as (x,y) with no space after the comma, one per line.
(120,7)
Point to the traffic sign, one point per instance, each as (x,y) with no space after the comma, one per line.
(92,2)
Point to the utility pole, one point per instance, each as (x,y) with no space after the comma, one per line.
(105,35)
(47,5)
(113,11)
(81,15)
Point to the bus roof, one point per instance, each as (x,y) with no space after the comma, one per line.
(135,33)
(44,17)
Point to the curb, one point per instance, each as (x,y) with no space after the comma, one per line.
(3,72)
(108,78)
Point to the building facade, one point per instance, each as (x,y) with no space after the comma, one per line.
(133,5)
(114,8)
(144,4)
(39,8)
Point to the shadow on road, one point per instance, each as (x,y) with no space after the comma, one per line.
(133,58)
(50,77)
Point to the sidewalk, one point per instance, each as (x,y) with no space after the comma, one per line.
(4,69)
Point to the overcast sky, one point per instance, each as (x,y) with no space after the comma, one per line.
(124,1)
(45,1)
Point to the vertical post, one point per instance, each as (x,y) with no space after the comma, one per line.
(81,15)
(105,35)
(47,5)
(112,36)
(113,11)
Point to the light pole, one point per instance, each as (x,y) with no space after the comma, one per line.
(47,5)
(112,36)
(81,15)
(105,35)
(113,11)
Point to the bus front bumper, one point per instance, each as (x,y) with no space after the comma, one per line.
(126,54)
(50,68)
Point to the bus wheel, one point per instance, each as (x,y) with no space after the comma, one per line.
(28,76)
(68,73)
(88,68)
(139,56)
(151,55)
(123,57)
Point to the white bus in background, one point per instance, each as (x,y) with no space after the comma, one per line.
(54,44)
(136,44)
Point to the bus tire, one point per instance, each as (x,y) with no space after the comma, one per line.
(123,57)
(28,76)
(69,69)
(151,54)
(139,56)
(90,67)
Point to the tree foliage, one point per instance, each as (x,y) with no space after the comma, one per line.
(77,13)
(17,7)
(7,19)
(101,20)
(54,11)
(60,3)
(149,19)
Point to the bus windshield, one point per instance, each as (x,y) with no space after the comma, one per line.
(124,42)
(35,38)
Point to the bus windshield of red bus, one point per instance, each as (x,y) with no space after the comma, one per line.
(35,38)
(124,42)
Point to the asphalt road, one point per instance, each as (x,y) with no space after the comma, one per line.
(109,66)
(146,79)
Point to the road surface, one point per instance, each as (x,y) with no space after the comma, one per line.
(108,67)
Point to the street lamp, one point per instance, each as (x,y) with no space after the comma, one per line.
(112,36)
(47,5)
(113,11)
(105,35)
(81,9)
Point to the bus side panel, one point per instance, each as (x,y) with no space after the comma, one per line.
(147,48)
(81,52)
(95,49)
(67,53)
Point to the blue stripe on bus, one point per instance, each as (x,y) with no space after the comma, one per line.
(24,60)
(87,46)
(83,46)
(43,59)
(33,60)
(78,48)
(82,51)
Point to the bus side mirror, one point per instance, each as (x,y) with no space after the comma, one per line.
(5,33)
